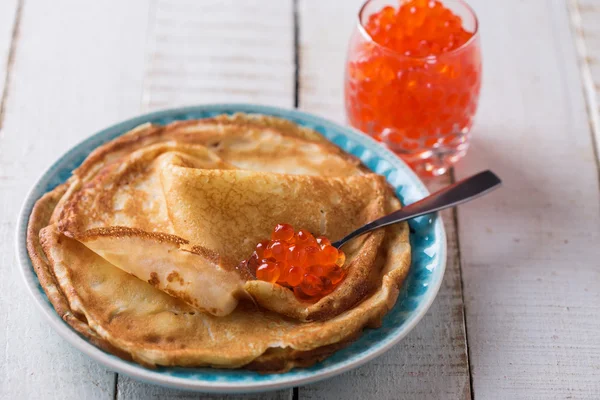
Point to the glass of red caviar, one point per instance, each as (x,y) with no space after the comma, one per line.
(413,76)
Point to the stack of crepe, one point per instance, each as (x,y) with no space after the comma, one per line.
(140,250)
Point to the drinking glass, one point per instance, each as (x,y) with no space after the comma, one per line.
(422,108)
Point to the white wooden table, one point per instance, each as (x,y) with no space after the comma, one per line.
(518,316)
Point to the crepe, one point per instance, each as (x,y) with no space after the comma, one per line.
(140,250)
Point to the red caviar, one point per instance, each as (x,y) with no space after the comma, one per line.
(414,81)
(418,28)
(310,267)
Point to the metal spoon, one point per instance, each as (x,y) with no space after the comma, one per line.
(455,194)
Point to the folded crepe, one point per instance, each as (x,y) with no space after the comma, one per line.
(140,250)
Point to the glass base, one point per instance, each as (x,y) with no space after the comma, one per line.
(429,155)
(436,164)
(437,160)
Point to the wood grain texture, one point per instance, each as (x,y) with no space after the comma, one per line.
(431,362)
(130,389)
(530,250)
(211,52)
(220,51)
(77,68)
(585,21)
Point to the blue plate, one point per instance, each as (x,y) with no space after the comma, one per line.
(428,241)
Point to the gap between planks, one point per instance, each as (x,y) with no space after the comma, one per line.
(10,59)
(584,19)
(462,291)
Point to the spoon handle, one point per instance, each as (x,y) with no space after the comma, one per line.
(457,193)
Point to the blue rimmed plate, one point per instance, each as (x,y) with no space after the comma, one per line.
(428,241)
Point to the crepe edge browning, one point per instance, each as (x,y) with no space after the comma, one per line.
(274,359)
(39,219)
(148,133)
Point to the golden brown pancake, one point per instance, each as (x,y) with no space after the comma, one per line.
(139,250)
(197,275)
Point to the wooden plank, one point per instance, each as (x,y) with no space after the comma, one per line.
(213,52)
(130,389)
(210,52)
(585,15)
(431,362)
(530,251)
(77,68)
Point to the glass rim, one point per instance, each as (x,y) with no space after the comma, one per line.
(368,37)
